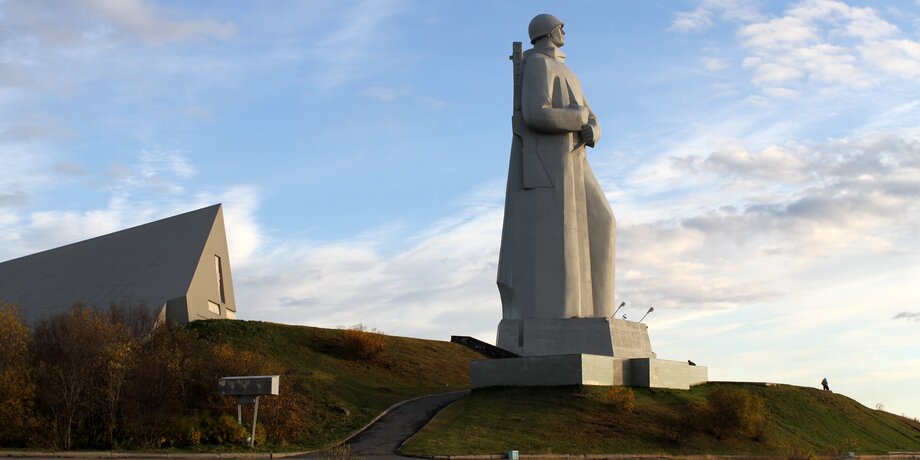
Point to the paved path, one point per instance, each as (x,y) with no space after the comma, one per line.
(380,440)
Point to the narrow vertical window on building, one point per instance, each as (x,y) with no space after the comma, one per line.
(220,278)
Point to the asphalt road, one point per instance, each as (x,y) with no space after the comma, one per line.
(380,440)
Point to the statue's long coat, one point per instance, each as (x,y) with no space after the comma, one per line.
(558,239)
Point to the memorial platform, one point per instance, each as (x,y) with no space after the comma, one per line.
(592,336)
(586,369)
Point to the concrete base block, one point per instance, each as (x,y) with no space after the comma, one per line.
(591,336)
(586,369)
(659,373)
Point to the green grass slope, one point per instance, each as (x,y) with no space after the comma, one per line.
(346,393)
(585,420)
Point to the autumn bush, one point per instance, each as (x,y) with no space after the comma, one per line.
(159,387)
(364,344)
(226,430)
(843,449)
(621,398)
(92,378)
(292,414)
(797,450)
(187,368)
(17,390)
(82,359)
(195,430)
(730,411)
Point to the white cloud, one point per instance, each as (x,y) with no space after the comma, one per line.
(380,93)
(813,43)
(697,19)
(757,100)
(772,163)
(865,23)
(665,269)
(245,237)
(714,64)
(908,316)
(13,198)
(150,25)
(822,63)
(830,64)
(27,169)
(819,9)
(771,73)
(37,129)
(65,50)
(155,163)
(157,171)
(65,24)
(704,15)
(756,226)
(359,42)
(781,93)
(897,57)
(439,283)
(13,76)
(198,112)
(433,102)
(778,32)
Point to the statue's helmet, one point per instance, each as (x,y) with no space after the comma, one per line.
(541,25)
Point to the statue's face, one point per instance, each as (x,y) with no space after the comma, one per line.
(557,36)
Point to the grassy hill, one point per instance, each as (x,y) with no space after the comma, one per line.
(800,422)
(345,391)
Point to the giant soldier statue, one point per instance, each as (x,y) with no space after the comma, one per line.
(556,267)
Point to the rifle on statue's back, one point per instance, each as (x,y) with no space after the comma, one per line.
(534,173)
(517,59)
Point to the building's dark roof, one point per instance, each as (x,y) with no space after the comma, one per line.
(149,264)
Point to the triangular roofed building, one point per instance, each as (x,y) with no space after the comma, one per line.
(179,267)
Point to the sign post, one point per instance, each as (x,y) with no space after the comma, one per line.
(247,390)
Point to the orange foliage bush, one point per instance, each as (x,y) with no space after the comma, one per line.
(290,413)
(97,379)
(733,411)
(17,390)
(364,344)
(622,398)
(85,357)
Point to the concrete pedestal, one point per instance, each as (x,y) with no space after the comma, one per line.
(590,336)
(586,369)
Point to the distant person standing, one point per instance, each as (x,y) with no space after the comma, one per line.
(824,384)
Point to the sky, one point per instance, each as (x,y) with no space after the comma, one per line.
(762,159)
